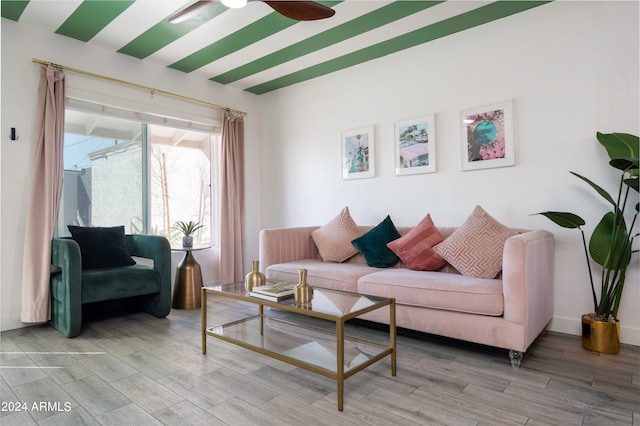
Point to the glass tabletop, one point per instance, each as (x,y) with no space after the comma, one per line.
(325,302)
(193,248)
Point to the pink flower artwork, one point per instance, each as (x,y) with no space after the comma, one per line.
(493,151)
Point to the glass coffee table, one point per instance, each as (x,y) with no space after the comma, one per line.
(329,353)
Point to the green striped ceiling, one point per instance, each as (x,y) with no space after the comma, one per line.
(255,48)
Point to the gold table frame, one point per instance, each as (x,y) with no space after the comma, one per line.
(339,374)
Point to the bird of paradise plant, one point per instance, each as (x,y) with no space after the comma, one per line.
(611,243)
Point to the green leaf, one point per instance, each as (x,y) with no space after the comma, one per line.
(565,220)
(624,164)
(609,246)
(620,145)
(627,165)
(633,183)
(598,189)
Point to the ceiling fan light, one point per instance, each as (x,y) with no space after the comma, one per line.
(234,4)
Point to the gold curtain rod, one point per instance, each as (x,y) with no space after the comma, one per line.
(138,86)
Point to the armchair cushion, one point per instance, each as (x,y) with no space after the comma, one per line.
(101,247)
(102,284)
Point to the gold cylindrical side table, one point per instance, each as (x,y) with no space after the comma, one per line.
(187,287)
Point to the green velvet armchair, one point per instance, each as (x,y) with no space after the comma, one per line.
(74,286)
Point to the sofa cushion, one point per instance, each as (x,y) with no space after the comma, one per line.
(319,274)
(373,244)
(101,247)
(475,248)
(436,290)
(415,248)
(334,238)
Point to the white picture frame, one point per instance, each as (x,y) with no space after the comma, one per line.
(415,145)
(487,136)
(358,153)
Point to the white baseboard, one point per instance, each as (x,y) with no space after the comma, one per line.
(11,322)
(628,335)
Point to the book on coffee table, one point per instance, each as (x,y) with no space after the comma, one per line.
(274,292)
(271,298)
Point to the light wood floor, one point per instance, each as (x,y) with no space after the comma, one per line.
(135,369)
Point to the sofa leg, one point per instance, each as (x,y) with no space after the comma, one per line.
(516,357)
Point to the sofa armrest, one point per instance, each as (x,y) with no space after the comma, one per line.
(527,279)
(281,245)
(66,287)
(157,248)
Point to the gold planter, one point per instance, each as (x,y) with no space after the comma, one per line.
(600,336)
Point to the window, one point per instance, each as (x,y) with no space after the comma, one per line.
(143,176)
(180,181)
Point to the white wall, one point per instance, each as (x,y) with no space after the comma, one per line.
(571,69)
(19,82)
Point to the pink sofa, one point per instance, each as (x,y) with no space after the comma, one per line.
(507,312)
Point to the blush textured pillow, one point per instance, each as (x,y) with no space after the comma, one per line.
(334,238)
(101,247)
(475,248)
(373,244)
(415,249)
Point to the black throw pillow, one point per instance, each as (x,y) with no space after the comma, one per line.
(101,247)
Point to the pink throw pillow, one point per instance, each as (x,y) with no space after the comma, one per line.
(415,249)
(334,238)
(475,248)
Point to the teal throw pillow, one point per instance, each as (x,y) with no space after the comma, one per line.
(373,244)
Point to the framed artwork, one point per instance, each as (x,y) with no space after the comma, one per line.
(415,146)
(358,153)
(487,136)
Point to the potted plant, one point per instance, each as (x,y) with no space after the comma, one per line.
(187,229)
(610,245)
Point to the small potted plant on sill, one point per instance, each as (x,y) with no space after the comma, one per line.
(610,245)
(187,229)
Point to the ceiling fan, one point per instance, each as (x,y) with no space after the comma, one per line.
(298,10)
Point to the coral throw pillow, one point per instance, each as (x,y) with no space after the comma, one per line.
(475,248)
(415,249)
(334,238)
(373,244)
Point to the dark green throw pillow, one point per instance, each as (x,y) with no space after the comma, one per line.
(373,244)
(101,247)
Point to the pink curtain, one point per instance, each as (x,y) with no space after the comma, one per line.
(46,189)
(232,199)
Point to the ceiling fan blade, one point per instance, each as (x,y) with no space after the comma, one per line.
(191,11)
(301,10)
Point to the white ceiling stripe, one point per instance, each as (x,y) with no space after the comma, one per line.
(138,18)
(219,27)
(345,11)
(48,15)
(386,32)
